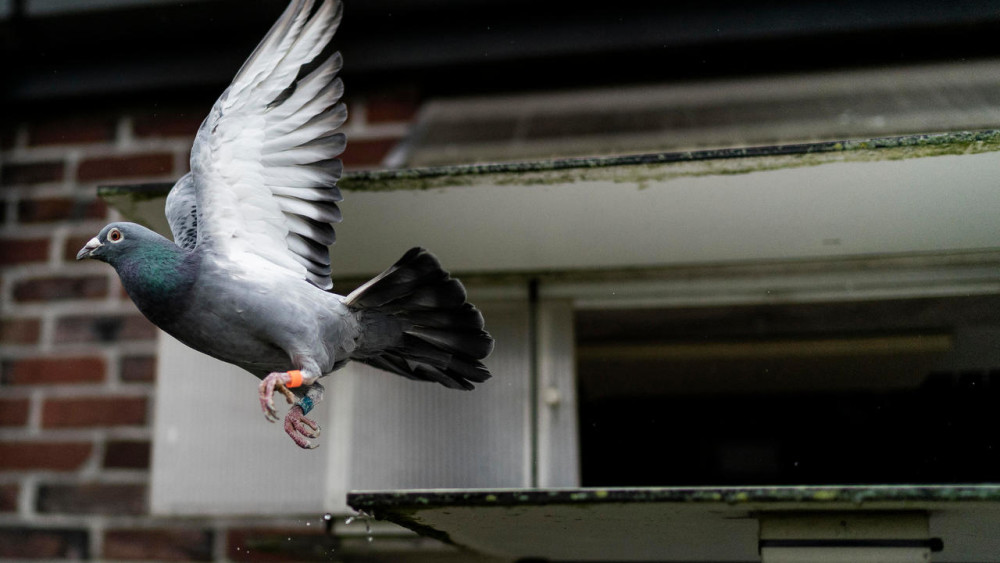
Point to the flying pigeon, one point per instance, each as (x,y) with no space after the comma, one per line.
(247,277)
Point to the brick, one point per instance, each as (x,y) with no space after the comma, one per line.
(46,371)
(367,154)
(44,543)
(137,369)
(169,123)
(32,173)
(92,498)
(158,545)
(14,412)
(55,456)
(116,167)
(49,209)
(72,131)
(392,107)
(23,251)
(279,544)
(20,331)
(60,288)
(105,328)
(91,412)
(127,454)
(8,497)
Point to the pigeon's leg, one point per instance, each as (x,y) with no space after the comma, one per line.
(297,426)
(283,382)
(279,381)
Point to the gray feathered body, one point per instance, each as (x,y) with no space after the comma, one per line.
(261,323)
(412,319)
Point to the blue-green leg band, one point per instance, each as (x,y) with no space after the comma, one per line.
(306,403)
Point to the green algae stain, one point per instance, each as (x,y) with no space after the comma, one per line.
(826,495)
(643,170)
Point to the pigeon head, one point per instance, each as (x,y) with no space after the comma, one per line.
(116,241)
(155,272)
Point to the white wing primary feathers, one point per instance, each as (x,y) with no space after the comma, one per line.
(264,162)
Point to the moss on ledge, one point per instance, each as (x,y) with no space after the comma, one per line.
(643,168)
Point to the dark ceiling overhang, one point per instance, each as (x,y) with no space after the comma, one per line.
(460,46)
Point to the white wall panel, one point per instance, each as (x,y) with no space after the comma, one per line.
(213,451)
(403,434)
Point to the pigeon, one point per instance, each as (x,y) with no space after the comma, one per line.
(247,277)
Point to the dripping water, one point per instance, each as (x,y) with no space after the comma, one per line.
(362,515)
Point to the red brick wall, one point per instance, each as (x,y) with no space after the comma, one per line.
(77,377)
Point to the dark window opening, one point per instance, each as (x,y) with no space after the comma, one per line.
(887,392)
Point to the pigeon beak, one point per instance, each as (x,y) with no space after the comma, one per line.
(88,249)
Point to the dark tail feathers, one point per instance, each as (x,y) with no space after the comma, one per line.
(418,324)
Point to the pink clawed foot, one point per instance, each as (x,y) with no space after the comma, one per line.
(274,381)
(299,427)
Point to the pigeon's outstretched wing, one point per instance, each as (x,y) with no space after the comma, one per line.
(263,166)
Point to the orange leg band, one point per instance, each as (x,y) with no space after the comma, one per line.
(296,376)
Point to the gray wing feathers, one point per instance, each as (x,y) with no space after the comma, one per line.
(182,212)
(302,176)
(296,98)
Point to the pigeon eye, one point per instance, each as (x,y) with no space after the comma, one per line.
(114,235)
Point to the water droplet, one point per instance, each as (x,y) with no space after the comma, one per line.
(368,528)
(349,520)
(328,523)
(362,515)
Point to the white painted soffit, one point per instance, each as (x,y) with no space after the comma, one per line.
(889,196)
